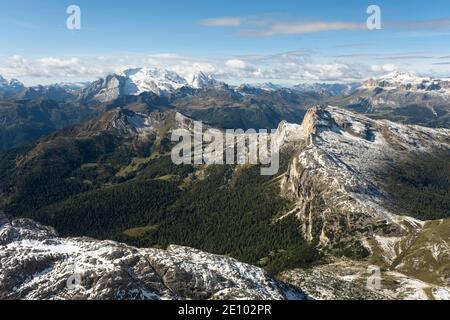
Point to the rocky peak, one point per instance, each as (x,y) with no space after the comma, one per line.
(201,80)
(10,87)
(333,178)
(316,119)
(154,80)
(104,89)
(3,81)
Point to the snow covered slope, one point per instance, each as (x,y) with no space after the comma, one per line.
(335,178)
(151,80)
(139,80)
(36,264)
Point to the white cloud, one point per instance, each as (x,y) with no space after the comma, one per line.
(50,67)
(165,56)
(384,68)
(236,64)
(289,67)
(271,28)
(286,68)
(222,22)
(280,28)
(267,27)
(59,63)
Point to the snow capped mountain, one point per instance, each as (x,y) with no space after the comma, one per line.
(409,81)
(10,87)
(139,80)
(402,97)
(160,81)
(154,80)
(201,80)
(15,84)
(402,77)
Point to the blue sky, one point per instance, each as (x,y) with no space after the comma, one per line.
(239,41)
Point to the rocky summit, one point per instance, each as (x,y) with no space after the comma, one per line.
(337,180)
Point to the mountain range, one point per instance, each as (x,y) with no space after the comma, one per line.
(89,193)
(401,97)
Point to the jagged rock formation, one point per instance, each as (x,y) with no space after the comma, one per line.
(337,186)
(36,264)
(104,90)
(334,179)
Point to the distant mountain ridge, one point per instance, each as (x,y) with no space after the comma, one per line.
(135,81)
(409,81)
(112,178)
(11,87)
(401,97)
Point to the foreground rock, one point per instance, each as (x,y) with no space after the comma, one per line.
(36,264)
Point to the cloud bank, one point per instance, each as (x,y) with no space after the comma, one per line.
(285,68)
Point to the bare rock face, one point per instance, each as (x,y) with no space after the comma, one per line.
(334,179)
(36,264)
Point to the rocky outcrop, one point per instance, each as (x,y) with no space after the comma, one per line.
(36,264)
(334,179)
(104,90)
